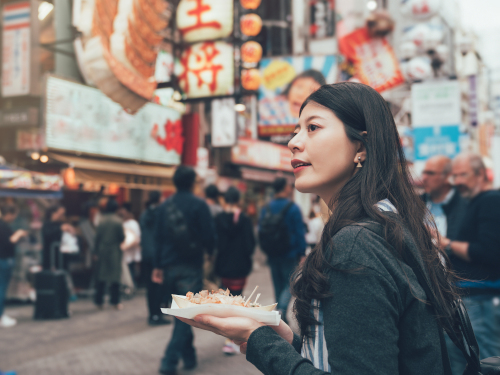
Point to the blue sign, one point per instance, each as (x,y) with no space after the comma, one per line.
(436,140)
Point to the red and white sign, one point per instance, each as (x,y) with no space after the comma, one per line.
(374,59)
(262,154)
(199,20)
(206,69)
(16,49)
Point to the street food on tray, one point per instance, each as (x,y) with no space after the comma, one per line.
(220,297)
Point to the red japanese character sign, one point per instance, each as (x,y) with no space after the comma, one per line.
(199,20)
(173,139)
(374,59)
(206,69)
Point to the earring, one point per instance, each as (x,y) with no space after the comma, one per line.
(359,163)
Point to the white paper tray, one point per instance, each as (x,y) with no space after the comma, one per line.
(271,318)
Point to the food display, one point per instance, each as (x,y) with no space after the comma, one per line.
(220,297)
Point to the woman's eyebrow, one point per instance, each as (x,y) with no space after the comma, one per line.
(313,117)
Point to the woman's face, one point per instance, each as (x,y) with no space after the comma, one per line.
(321,143)
(299,91)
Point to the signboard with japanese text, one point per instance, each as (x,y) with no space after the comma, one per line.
(285,83)
(201,20)
(16,48)
(206,69)
(436,140)
(435,103)
(79,118)
(374,60)
(262,154)
(223,122)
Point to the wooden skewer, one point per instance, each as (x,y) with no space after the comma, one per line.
(248,300)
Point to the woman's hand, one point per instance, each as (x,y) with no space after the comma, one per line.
(68,228)
(237,329)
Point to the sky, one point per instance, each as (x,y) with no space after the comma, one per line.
(482,17)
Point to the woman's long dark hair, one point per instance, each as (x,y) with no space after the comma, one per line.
(384,175)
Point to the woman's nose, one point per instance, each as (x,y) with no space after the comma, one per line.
(296,143)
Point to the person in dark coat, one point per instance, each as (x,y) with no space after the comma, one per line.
(52,231)
(109,236)
(147,222)
(235,244)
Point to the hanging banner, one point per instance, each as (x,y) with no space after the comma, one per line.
(374,59)
(223,122)
(286,82)
(82,119)
(16,48)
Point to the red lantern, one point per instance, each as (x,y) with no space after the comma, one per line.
(250,4)
(250,24)
(251,52)
(250,79)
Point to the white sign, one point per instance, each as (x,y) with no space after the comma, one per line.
(223,123)
(435,103)
(16,47)
(83,119)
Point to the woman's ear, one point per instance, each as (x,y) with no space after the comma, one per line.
(361,151)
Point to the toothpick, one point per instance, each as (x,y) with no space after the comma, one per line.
(257,298)
(248,300)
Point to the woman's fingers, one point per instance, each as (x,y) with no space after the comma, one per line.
(197,324)
(243,348)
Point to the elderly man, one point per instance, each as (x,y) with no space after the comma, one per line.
(443,201)
(475,256)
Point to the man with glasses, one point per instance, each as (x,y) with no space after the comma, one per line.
(443,201)
(475,256)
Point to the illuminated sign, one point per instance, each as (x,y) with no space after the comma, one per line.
(200,20)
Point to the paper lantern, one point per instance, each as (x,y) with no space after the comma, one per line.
(251,52)
(250,79)
(250,24)
(250,4)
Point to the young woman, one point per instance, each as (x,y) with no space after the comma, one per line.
(359,306)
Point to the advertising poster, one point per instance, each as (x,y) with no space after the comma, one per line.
(16,49)
(374,60)
(436,140)
(81,118)
(286,84)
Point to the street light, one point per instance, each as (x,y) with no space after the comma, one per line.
(44,9)
(35,155)
(44,158)
(371,5)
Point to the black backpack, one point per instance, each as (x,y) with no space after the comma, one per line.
(183,241)
(274,236)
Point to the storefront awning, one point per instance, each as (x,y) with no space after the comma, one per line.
(130,175)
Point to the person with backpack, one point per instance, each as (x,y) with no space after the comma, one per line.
(373,297)
(185,231)
(235,247)
(282,238)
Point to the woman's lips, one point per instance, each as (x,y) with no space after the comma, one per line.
(298,169)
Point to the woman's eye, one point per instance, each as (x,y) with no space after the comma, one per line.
(312,128)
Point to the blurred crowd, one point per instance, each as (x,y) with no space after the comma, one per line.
(188,243)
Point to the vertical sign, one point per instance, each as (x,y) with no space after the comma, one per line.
(223,123)
(16,46)
(473,101)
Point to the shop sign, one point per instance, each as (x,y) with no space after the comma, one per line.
(286,82)
(16,48)
(261,154)
(436,140)
(21,179)
(374,59)
(200,20)
(322,18)
(19,117)
(223,122)
(420,9)
(82,119)
(206,69)
(435,103)
(29,140)
(473,101)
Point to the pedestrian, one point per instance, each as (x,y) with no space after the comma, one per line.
(184,233)
(131,247)
(315,227)
(108,256)
(212,195)
(358,303)
(445,204)
(154,291)
(282,238)
(8,240)
(475,256)
(87,228)
(235,247)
